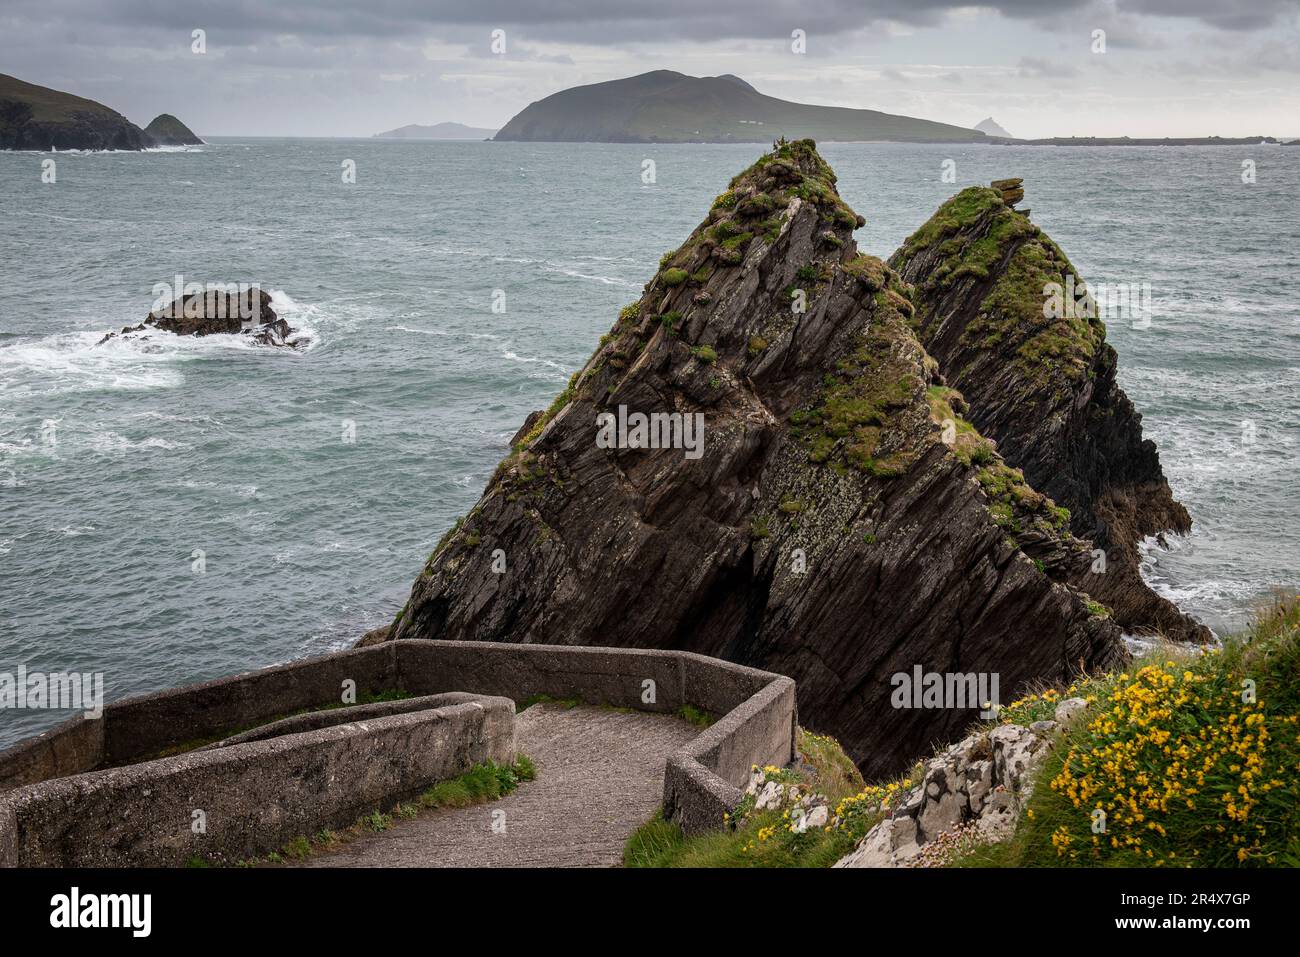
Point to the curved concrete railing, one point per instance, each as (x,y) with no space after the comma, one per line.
(66,771)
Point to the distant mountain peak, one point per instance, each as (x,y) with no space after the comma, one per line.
(737,80)
(991,127)
(438,131)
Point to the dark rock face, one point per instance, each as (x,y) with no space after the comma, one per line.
(166,130)
(1044,388)
(245,311)
(76,131)
(841,523)
(37,118)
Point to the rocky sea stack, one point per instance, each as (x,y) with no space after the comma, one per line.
(217,311)
(166,130)
(814,494)
(1044,389)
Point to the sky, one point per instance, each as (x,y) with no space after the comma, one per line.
(343,68)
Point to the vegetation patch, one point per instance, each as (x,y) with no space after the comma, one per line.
(693,715)
(1190,763)
(967,444)
(769,838)
(1016,506)
(845,428)
(952,216)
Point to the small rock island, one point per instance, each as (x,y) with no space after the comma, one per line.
(166,130)
(245,310)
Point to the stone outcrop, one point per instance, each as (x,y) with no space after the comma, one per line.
(977,788)
(166,130)
(238,311)
(1044,388)
(807,808)
(841,522)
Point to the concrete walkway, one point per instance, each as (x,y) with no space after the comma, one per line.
(599,778)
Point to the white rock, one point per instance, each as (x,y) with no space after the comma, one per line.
(1069,710)
(1013,750)
(874,850)
(979,781)
(770,797)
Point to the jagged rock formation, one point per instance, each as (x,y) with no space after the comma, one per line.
(166,130)
(37,118)
(245,311)
(841,523)
(976,789)
(1044,388)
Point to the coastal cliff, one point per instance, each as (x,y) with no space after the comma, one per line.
(37,118)
(832,515)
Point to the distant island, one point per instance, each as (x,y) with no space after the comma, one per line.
(991,127)
(166,130)
(38,118)
(669,107)
(438,131)
(1130,141)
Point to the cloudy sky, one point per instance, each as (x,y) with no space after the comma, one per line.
(343,68)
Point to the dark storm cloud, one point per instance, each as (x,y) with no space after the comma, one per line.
(1225,14)
(588,21)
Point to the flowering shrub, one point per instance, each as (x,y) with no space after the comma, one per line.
(1191,763)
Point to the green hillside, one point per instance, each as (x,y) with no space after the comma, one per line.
(38,118)
(668,107)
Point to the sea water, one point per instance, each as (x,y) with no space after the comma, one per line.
(179,509)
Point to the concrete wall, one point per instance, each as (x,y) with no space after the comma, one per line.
(136,729)
(703,781)
(755,724)
(255,797)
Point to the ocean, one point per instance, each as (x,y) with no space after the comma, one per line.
(175,510)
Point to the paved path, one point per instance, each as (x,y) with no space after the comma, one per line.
(599,778)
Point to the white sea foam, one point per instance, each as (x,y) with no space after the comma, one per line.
(421,332)
(241,491)
(73,531)
(82,361)
(590,277)
(72,362)
(113,443)
(533,360)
